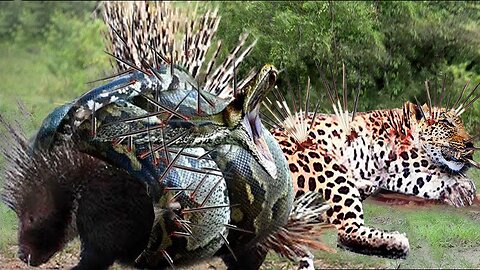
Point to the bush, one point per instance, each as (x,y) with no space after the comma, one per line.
(389,48)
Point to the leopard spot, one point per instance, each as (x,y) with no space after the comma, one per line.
(285,143)
(304,158)
(336,198)
(349,215)
(293,168)
(328,193)
(312,185)
(343,190)
(348,202)
(321,179)
(301,181)
(420,182)
(337,208)
(299,193)
(399,183)
(317,166)
(312,154)
(340,180)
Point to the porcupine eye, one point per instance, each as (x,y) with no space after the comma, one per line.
(29,219)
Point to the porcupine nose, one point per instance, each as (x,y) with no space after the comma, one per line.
(24,254)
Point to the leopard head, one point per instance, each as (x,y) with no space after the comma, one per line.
(443,136)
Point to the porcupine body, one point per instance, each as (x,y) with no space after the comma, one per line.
(63,193)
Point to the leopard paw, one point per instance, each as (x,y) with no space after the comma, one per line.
(370,241)
(461,193)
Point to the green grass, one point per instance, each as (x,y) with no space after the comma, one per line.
(26,80)
(25,77)
(439,236)
(8,225)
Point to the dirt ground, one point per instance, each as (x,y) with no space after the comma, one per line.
(68,260)
(69,257)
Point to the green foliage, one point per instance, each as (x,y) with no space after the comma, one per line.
(389,48)
(73,48)
(23,21)
(54,65)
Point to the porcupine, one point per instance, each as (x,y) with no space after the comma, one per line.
(57,194)
(265,229)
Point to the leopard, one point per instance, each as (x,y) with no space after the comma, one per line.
(416,150)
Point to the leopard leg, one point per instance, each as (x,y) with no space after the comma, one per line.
(435,185)
(306,262)
(346,213)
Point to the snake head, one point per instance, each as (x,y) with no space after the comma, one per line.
(256,89)
(244,112)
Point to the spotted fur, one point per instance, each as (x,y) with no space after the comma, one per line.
(417,150)
(321,163)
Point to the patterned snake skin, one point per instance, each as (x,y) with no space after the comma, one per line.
(264,202)
(219,202)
